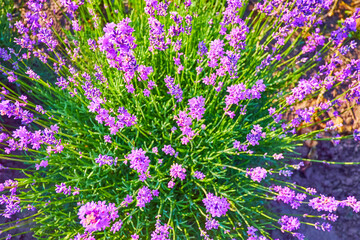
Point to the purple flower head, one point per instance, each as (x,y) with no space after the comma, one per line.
(144,196)
(43,163)
(62,188)
(202,48)
(157,35)
(199,175)
(127,200)
(146,92)
(155,193)
(116,226)
(196,107)
(153,5)
(271,110)
(105,160)
(288,196)
(118,43)
(107,139)
(187,3)
(32,74)
(168,150)
(216,52)
(75,25)
(12,77)
(161,232)
(12,205)
(174,90)
(155,150)
(76,191)
(216,206)
(251,231)
(313,41)
(171,184)
(97,216)
(211,223)
(255,135)
(357,135)
(256,174)
(277,156)
(289,223)
(311,191)
(237,36)
(135,237)
(323,203)
(138,161)
(176,171)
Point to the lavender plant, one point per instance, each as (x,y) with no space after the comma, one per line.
(165,120)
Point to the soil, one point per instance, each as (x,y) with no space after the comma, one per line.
(339,181)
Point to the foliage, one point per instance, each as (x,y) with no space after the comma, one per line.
(166,119)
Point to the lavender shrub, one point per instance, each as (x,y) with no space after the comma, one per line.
(165,120)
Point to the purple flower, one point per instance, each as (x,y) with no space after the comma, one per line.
(97,216)
(62,188)
(357,135)
(135,237)
(312,42)
(144,72)
(92,44)
(187,3)
(255,135)
(139,162)
(323,203)
(278,156)
(199,175)
(127,200)
(211,223)
(256,174)
(61,82)
(146,92)
(251,231)
(118,43)
(289,223)
(202,49)
(216,52)
(76,191)
(155,193)
(144,196)
(75,25)
(174,90)
(43,163)
(155,150)
(157,35)
(228,65)
(176,171)
(271,111)
(171,184)
(32,74)
(197,109)
(12,77)
(105,160)
(311,191)
(237,36)
(116,226)
(161,232)
(168,150)
(288,196)
(107,139)
(216,206)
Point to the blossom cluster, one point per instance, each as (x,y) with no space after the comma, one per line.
(117,87)
(97,216)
